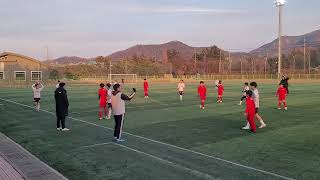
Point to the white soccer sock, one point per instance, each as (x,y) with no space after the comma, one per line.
(180,97)
(109,113)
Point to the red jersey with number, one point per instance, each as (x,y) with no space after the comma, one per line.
(220,89)
(202,92)
(103,97)
(282,93)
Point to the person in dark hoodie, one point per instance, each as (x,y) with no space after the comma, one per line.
(62,105)
(119,109)
(285,83)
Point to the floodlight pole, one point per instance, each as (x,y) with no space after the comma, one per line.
(279,4)
(110,72)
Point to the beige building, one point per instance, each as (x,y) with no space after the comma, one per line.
(19,68)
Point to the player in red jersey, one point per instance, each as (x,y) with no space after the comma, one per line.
(146,88)
(102,101)
(202,93)
(220,92)
(250,111)
(282,95)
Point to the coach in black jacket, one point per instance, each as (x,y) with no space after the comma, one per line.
(285,83)
(62,105)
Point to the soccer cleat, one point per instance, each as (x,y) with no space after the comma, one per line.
(279,108)
(108,117)
(262,126)
(65,129)
(246,128)
(118,141)
(203,108)
(286,108)
(58,129)
(100,119)
(114,139)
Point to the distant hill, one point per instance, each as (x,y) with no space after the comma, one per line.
(290,43)
(68,60)
(157,51)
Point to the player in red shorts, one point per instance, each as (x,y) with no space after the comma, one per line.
(220,92)
(282,95)
(250,111)
(102,101)
(146,88)
(202,93)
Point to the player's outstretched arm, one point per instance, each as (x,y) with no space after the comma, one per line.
(128,98)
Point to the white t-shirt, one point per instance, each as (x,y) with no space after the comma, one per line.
(37,92)
(181,86)
(245,89)
(109,95)
(118,105)
(256,98)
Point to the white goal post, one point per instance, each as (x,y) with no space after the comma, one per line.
(123,78)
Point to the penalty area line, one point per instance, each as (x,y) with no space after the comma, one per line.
(166,144)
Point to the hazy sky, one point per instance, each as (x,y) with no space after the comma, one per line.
(89,28)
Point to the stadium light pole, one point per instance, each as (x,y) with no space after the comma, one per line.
(279,4)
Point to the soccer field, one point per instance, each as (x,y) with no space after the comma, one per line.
(166,139)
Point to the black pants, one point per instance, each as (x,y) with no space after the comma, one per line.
(61,120)
(119,121)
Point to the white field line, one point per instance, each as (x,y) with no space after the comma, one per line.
(95,145)
(192,171)
(166,144)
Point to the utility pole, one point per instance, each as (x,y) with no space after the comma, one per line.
(241,66)
(280,4)
(309,64)
(265,63)
(204,62)
(220,59)
(195,60)
(110,71)
(294,63)
(230,66)
(304,55)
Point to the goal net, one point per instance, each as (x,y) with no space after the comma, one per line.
(130,79)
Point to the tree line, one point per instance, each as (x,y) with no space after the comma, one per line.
(205,61)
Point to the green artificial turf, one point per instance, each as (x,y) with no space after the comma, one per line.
(167,139)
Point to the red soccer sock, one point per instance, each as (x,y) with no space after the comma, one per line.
(202,103)
(279,104)
(285,104)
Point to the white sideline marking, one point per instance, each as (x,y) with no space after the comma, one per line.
(192,171)
(94,145)
(166,144)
